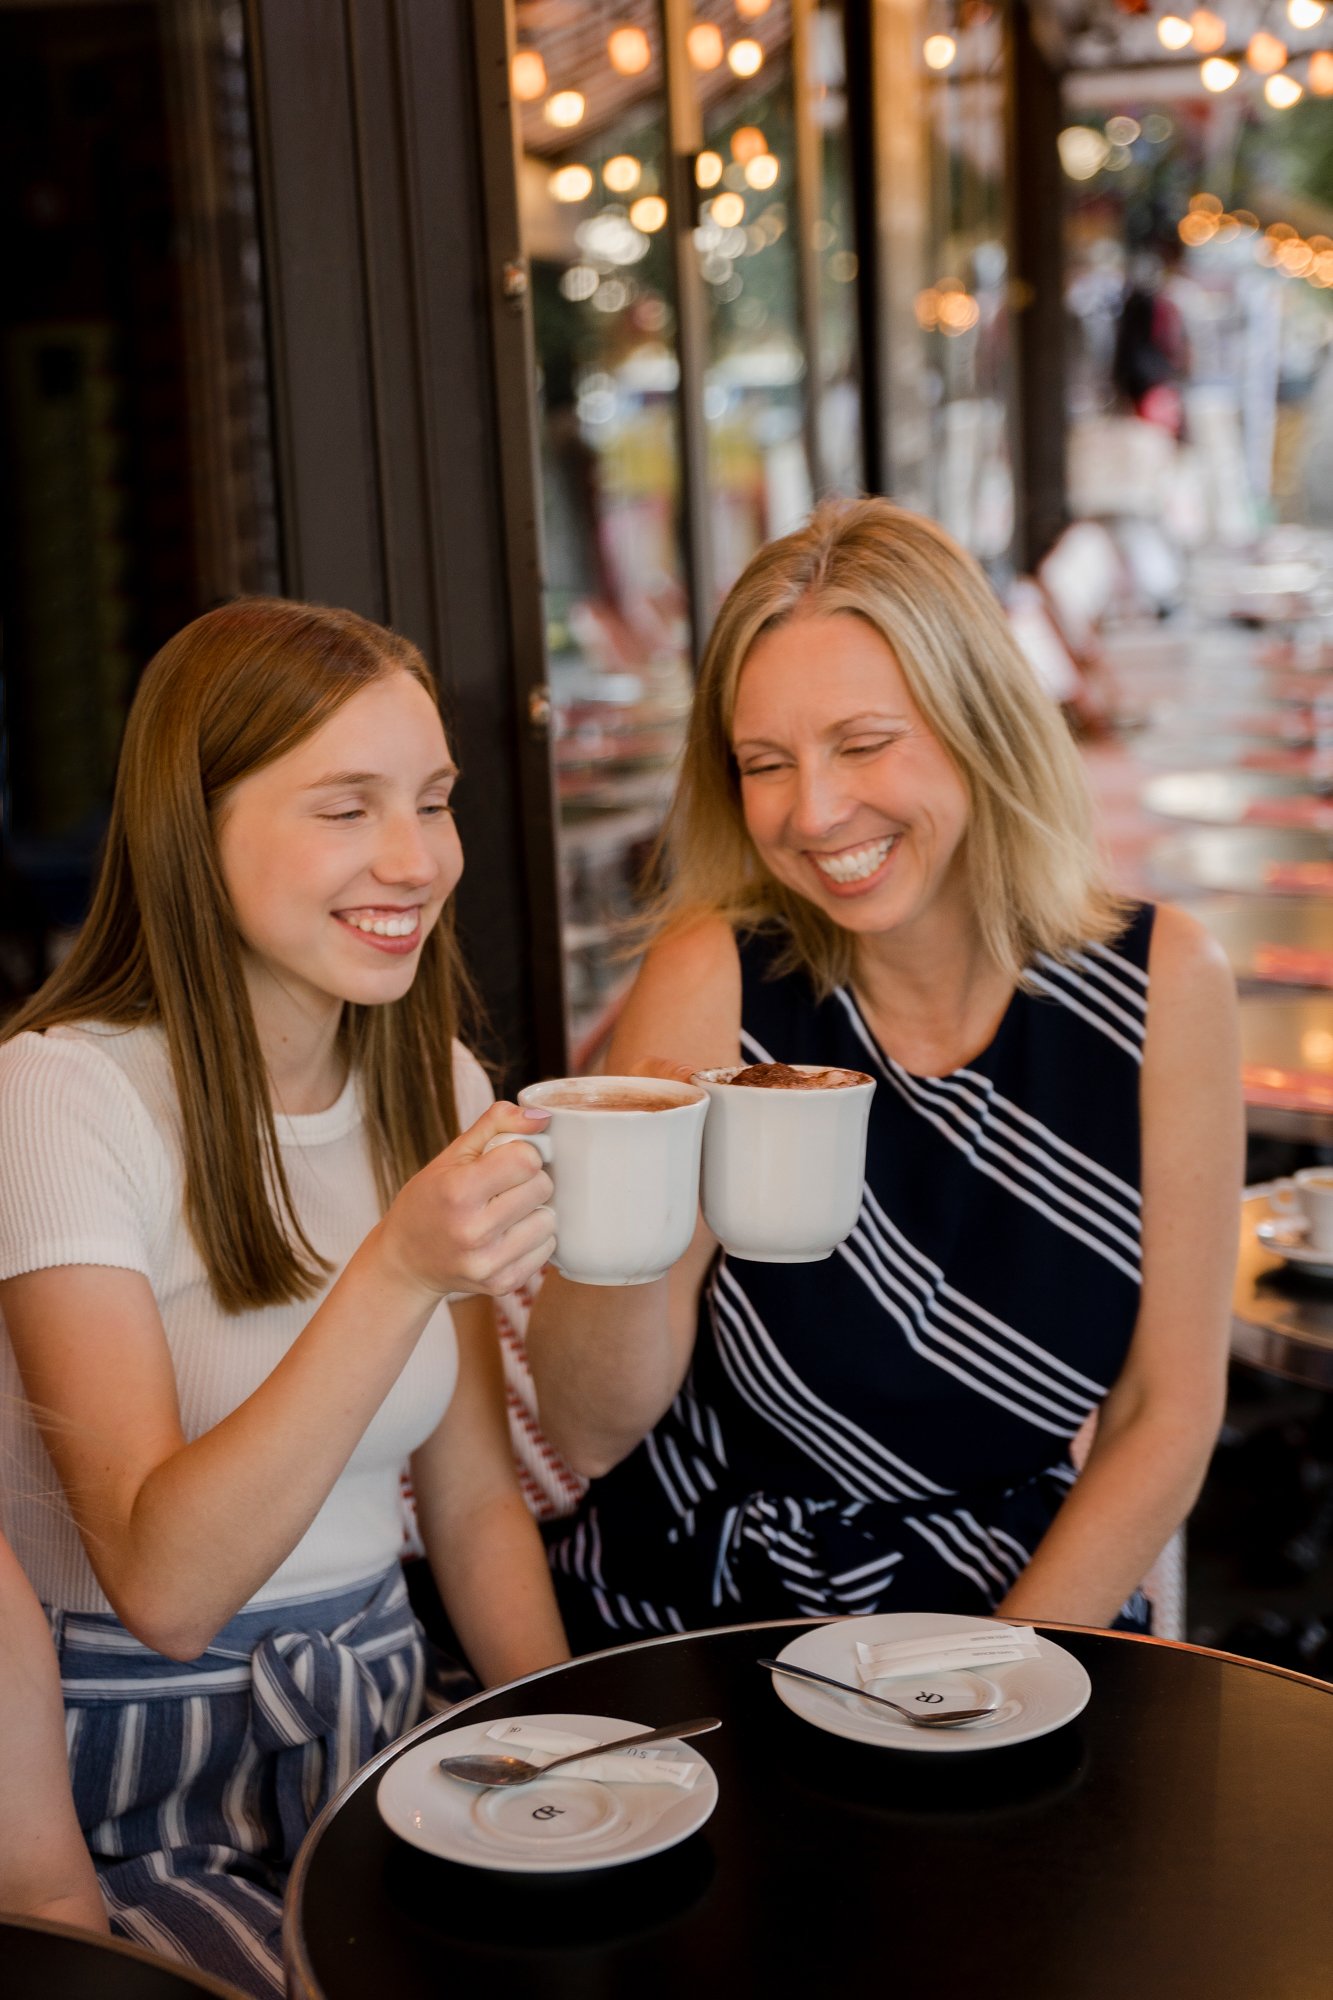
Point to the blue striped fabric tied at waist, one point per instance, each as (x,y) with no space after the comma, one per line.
(315,1704)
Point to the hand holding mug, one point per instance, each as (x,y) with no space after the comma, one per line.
(475,1219)
(624,1158)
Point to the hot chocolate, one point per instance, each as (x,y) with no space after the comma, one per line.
(625,1190)
(781,1076)
(784,1158)
(589,1097)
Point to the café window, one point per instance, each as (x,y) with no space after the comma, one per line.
(693,310)
(138,483)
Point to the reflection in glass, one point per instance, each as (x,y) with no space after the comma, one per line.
(962,309)
(134,411)
(944,287)
(593,193)
(759,473)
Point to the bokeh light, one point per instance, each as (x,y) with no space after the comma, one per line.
(648,213)
(572,183)
(629,51)
(1209,31)
(762,172)
(1265,53)
(705,45)
(622,172)
(1282,92)
(1083,151)
(565,109)
(1173,32)
(527,75)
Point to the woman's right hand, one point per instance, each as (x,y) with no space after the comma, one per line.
(472,1220)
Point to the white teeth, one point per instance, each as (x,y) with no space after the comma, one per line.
(384,926)
(856,863)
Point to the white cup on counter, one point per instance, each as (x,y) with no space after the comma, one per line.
(1307,1199)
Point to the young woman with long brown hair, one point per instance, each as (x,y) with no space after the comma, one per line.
(244,1168)
(881,857)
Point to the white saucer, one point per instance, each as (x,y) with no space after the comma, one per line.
(1038,1695)
(1283,1238)
(546,1828)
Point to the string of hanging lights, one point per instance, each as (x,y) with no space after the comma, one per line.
(1280,247)
(1265,51)
(629,53)
(623,178)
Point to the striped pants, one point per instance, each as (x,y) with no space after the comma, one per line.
(195,1783)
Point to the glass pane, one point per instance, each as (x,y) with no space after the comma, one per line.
(841,467)
(1199,246)
(945,285)
(138,476)
(593,182)
(963,308)
(760,477)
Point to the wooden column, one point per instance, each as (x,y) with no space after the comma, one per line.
(385,162)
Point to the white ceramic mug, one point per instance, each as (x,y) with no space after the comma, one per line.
(623,1152)
(1308,1198)
(783,1170)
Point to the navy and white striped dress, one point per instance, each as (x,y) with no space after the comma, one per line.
(890,1429)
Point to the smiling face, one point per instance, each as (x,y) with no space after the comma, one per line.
(339,856)
(848,797)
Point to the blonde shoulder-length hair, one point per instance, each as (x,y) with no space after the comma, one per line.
(236,689)
(1032,865)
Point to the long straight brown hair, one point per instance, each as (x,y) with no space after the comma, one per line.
(238,688)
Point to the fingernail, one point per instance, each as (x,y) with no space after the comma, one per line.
(534,1111)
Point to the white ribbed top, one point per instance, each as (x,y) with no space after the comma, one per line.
(92,1172)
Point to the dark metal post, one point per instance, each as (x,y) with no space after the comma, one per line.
(508,304)
(809,175)
(1036,290)
(307,170)
(402,385)
(859,22)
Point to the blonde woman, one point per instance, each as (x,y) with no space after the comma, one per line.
(880,856)
(244,1166)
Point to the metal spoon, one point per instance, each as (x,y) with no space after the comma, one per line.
(502,1770)
(924,1721)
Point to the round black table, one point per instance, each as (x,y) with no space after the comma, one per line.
(1172,1841)
(41,1961)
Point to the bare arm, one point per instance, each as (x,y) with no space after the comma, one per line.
(485,1551)
(608,1360)
(45,1868)
(1158,1426)
(92,1351)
